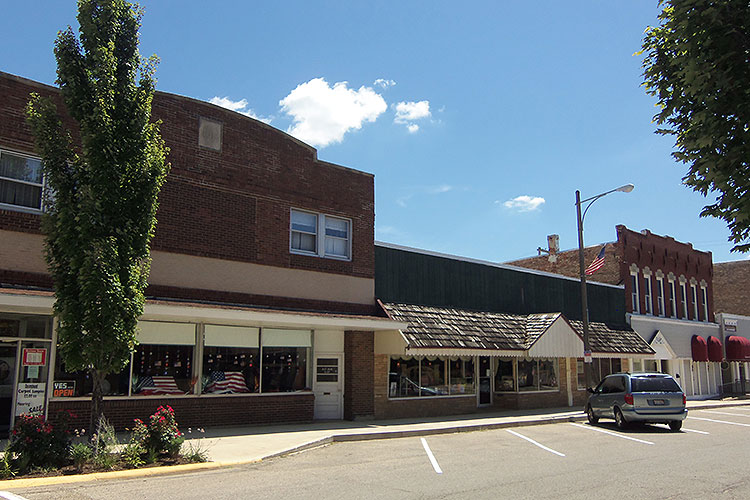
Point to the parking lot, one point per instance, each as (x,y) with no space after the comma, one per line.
(708,458)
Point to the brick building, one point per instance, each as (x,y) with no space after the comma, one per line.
(669,300)
(260,306)
(732,301)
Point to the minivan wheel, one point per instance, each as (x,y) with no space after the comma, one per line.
(620,420)
(592,418)
(675,425)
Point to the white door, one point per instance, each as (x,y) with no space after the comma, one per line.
(328,386)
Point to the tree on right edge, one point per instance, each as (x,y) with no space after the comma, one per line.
(697,65)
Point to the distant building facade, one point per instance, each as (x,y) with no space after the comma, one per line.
(669,300)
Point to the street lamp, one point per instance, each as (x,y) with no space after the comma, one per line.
(584,295)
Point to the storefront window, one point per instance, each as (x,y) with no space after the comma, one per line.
(547,374)
(25,326)
(403,377)
(80,383)
(504,378)
(580,374)
(432,376)
(461,372)
(527,375)
(285,360)
(163,359)
(231,360)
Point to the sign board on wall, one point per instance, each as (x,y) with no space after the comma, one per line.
(65,389)
(34,356)
(730,325)
(30,398)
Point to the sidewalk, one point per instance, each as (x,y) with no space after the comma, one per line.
(241,445)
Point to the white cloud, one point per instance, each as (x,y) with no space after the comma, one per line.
(322,114)
(444,188)
(407,112)
(524,203)
(383,83)
(238,106)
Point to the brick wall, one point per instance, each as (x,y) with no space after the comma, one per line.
(231,204)
(197,411)
(644,249)
(567,264)
(358,369)
(731,294)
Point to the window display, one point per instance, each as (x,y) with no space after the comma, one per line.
(505,380)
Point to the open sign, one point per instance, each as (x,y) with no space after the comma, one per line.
(64,389)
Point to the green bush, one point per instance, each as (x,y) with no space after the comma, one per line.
(80,454)
(37,443)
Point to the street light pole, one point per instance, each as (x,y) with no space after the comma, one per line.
(582,267)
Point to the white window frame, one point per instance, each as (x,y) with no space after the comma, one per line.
(672,298)
(704,296)
(694,297)
(648,306)
(635,292)
(660,296)
(683,294)
(21,208)
(321,237)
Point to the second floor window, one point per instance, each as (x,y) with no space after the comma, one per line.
(694,294)
(21,181)
(672,300)
(634,293)
(660,295)
(321,235)
(683,291)
(704,294)
(647,308)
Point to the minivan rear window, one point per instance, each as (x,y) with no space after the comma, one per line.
(654,384)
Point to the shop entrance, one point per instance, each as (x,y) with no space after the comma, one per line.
(485,381)
(328,387)
(8,353)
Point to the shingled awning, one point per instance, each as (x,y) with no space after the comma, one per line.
(433,330)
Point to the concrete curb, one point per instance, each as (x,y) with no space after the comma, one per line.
(317,443)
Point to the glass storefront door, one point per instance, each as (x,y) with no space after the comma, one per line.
(8,352)
(485,381)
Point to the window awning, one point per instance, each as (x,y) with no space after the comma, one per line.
(715,350)
(699,348)
(738,348)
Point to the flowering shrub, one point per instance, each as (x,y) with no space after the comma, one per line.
(37,443)
(160,435)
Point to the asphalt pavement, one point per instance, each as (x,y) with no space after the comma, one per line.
(228,446)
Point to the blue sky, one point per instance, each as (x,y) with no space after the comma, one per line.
(479,119)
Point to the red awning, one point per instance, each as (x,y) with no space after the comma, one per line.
(738,348)
(715,351)
(699,348)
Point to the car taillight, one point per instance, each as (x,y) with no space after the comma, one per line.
(629,399)
(684,399)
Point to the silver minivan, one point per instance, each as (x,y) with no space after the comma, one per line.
(638,397)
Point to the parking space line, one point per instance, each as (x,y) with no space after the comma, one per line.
(431,457)
(697,432)
(718,421)
(534,442)
(725,413)
(610,433)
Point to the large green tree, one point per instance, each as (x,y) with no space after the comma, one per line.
(697,64)
(103,190)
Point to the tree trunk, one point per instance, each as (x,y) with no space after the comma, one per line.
(97,400)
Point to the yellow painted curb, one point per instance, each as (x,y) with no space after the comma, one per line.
(120,474)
